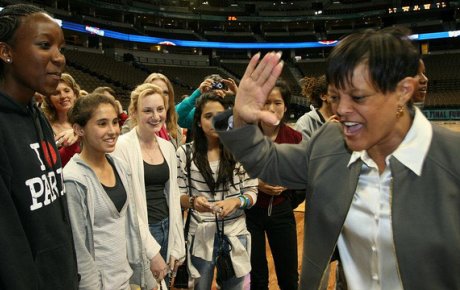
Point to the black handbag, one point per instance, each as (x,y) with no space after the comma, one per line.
(182,275)
(224,264)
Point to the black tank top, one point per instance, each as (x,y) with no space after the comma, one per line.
(155,178)
(117,193)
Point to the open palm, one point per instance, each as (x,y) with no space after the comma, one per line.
(257,82)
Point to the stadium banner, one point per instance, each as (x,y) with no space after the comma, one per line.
(442,114)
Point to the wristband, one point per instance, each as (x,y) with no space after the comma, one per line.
(247,201)
(242,201)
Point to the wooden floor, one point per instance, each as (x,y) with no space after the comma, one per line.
(452,125)
(299,217)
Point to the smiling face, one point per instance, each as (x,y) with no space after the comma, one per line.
(369,117)
(36,58)
(151,114)
(101,132)
(63,98)
(420,93)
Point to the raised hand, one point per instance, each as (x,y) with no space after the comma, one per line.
(257,82)
(333,118)
(66,138)
(231,85)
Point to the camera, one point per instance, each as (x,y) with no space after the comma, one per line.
(218,86)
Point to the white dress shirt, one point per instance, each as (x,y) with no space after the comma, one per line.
(366,244)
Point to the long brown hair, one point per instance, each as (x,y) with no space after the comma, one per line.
(47,106)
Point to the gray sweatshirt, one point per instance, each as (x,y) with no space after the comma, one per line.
(109,248)
(309,123)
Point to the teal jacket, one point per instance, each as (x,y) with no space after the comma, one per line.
(186,110)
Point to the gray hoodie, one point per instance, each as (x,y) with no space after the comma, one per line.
(309,123)
(83,188)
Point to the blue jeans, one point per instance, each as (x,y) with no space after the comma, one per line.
(206,270)
(160,231)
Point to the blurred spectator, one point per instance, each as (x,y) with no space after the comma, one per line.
(38,99)
(272,216)
(109,92)
(214,82)
(315,90)
(55,107)
(420,94)
(83,93)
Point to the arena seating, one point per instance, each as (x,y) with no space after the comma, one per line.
(443,73)
(96,69)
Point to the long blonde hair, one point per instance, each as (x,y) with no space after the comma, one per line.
(171,115)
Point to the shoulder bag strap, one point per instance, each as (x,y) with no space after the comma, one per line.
(189,179)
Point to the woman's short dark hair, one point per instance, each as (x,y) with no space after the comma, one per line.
(388,53)
(10,19)
(84,108)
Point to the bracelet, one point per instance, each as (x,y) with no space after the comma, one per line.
(245,201)
(191,201)
(242,201)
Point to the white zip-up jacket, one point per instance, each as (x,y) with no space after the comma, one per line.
(129,150)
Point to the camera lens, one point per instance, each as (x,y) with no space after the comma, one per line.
(218,86)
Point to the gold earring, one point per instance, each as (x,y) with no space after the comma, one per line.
(399,111)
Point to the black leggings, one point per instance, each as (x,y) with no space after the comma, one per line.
(281,232)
